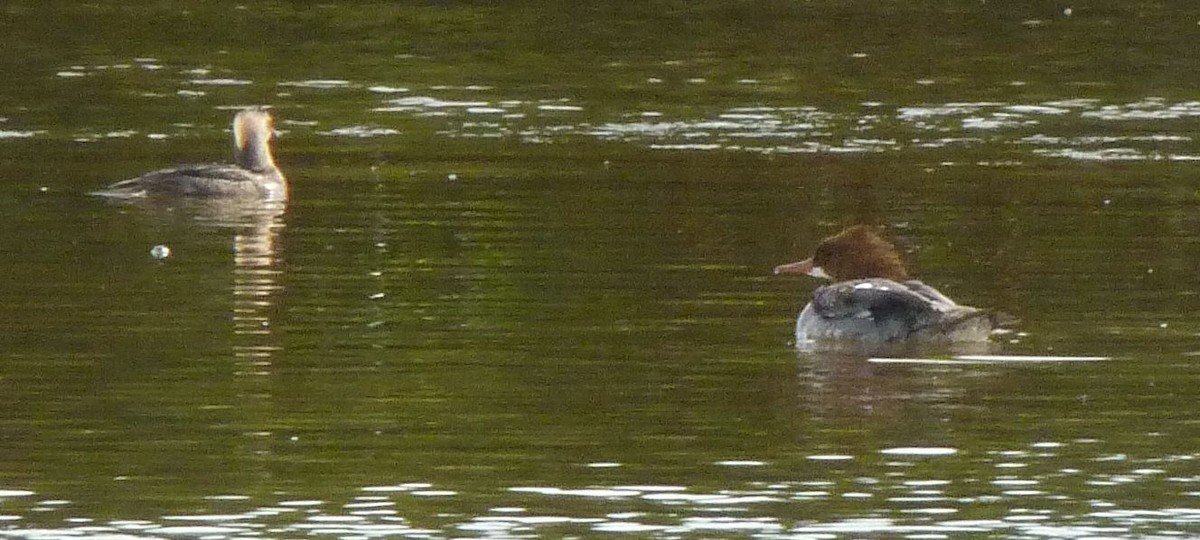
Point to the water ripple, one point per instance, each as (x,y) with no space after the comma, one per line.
(917,506)
(1084,129)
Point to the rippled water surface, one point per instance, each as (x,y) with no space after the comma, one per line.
(523,289)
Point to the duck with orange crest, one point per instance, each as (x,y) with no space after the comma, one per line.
(872,302)
(253,174)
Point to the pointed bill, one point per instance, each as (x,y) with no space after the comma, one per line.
(803,267)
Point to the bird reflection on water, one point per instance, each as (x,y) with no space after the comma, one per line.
(255,227)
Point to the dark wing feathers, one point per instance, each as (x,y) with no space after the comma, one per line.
(877,298)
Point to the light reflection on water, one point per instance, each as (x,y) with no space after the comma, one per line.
(484,111)
(901,501)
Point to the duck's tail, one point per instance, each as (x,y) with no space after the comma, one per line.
(962,324)
(1001,319)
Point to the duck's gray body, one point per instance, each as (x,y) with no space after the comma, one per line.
(877,311)
(216,180)
(253,174)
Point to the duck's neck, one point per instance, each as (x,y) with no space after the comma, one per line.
(254,153)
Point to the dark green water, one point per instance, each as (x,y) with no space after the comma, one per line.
(523,285)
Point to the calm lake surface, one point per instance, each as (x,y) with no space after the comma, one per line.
(523,289)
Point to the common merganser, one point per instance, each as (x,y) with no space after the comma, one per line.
(252,175)
(872,302)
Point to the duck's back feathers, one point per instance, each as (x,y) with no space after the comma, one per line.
(200,180)
(879,311)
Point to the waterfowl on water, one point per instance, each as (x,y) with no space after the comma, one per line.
(872,301)
(252,175)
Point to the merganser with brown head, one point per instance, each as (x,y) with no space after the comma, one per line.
(252,175)
(872,302)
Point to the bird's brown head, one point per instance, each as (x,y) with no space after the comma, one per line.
(857,252)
